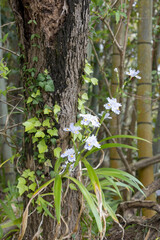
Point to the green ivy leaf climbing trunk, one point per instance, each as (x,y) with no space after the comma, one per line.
(144,90)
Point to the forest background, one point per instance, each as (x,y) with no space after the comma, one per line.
(53,71)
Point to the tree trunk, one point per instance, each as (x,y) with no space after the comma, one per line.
(56,40)
(144,89)
(116,84)
(6,151)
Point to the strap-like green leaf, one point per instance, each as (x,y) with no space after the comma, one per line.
(90,202)
(120,175)
(92,175)
(109,145)
(124,136)
(57,196)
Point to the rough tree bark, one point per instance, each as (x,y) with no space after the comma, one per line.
(60,47)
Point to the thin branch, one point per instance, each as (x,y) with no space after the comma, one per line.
(114,3)
(15,89)
(6,24)
(126,33)
(8,50)
(10,127)
(12,106)
(112,35)
(101,68)
(111,32)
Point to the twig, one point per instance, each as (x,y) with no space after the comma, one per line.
(114,3)
(15,89)
(101,68)
(11,106)
(8,50)
(101,160)
(126,33)
(10,127)
(113,36)
(6,24)
(67,228)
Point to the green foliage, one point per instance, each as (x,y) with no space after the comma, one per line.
(10,210)
(4,71)
(26,182)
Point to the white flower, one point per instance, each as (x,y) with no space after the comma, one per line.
(65,165)
(113,105)
(88,118)
(70,154)
(90,142)
(133,73)
(116,70)
(72,129)
(107,115)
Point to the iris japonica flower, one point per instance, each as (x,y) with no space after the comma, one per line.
(113,105)
(107,115)
(72,129)
(88,118)
(90,142)
(116,70)
(70,154)
(133,73)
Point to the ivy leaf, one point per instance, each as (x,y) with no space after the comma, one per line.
(39,133)
(53,141)
(46,123)
(57,152)
(94,81)
(86,79)
(41,155)
(88,69)
(40,77)
(57,109)
(21,185)
(48,163)
(49,87)
(42,147)
(47,111)
(37,123)
(29,100)
(35,59)
(33,186)
(35,101)
(53,132)
(28,126)
(41,84)
(85,96)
